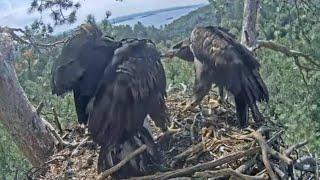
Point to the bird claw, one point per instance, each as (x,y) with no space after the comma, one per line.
(163,137)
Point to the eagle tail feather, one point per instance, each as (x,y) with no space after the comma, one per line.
(242,108)
(263,88)
(104,159)
(253,90)
(137,166)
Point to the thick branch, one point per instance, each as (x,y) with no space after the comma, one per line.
(294,147)
(265,148)
(201,167)
(285,50)
(228,172)
(248,36)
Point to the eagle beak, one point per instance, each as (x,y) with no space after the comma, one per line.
(170,54)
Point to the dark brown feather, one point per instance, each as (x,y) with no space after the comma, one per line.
(81,64)
(132,87)
(232,66)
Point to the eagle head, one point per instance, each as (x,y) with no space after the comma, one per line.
(181,50)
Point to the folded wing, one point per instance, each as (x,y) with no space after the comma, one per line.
(133,86)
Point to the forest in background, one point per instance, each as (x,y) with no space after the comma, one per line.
(292,82)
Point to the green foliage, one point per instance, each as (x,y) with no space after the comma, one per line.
(61,11)
(294,90)
(38,88)
(13,165)
(184,74)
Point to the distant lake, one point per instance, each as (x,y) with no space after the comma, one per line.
(156,18)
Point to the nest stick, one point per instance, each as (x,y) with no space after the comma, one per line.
(193,138)
(115,168)
(56,120)
(279,172)
(39,108)
(264,148)
(247,165)
(192,150)
(228,172)
(288,151)
(201,167)
(57,136)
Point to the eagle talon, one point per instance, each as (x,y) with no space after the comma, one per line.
(163,137)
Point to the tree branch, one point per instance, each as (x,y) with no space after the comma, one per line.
(28,40)
(283,49)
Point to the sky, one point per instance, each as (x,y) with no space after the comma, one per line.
(13,13)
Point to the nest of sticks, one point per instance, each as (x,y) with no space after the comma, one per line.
(207,144)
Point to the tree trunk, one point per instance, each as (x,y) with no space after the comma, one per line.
(17,114)
(248,35)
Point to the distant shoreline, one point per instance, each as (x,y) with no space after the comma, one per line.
(150,13)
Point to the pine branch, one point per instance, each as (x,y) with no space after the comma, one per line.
(26,39)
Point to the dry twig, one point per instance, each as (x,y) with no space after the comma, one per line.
(228,172)
(57,136)
(264,149)
(39,108)
(292,148)
(201,167)
(56,120)
(115,168)
(192,150)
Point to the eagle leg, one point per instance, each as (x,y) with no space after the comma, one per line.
(242,109)
(222,96)
(81,103)
(257,116)
(201,89)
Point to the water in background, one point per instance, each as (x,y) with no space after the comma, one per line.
(157,18)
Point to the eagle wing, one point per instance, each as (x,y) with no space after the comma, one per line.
(229,60)
(216,40)
(232,66)
(81,64)
(132,87)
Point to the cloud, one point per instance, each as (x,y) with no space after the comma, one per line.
(14,12)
